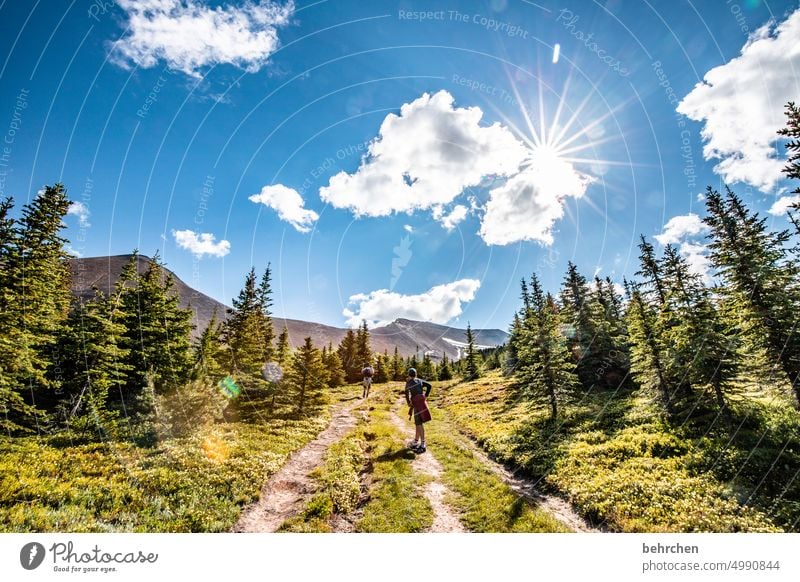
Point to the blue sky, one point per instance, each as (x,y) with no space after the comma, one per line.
(394,159)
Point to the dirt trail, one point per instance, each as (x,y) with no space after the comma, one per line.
(556,506)
(444,519)
(287,490)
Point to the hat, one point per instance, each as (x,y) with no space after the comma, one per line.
(412,372)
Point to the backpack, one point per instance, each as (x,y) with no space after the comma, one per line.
(367,372)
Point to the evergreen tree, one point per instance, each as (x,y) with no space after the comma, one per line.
(157,330)
(472,369)
(243,333)
(545,367)
(208,351)
(427,369)
(445,372)
(38,292)
(363,348)
(349,357)
(307,375)
(381,372)
(95,363)
(792,169)
(334,367)
(283,349)
(512,351)
(647,353)
(267,331)
(761,282)
(397,372)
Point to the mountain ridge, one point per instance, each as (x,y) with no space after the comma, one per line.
(408,335)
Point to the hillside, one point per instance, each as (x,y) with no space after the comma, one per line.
(408,335)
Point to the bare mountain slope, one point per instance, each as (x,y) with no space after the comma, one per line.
(409,336)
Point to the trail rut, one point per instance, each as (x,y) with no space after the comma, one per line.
(444,518)
(286,492)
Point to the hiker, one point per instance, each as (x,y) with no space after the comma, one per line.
(366,373)
(418,406)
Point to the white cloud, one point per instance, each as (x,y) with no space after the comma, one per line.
(425,157)
(782,205)
(453,218)
(696,255)
(200,244)
(439,304)
(80,210)
(189,35)
(741,104)
(289,205)
(408,228)
(527,206)
(681,227)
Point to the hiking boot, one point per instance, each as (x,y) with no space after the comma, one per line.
(413,445)
(420,449)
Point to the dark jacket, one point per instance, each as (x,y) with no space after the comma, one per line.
(415,386)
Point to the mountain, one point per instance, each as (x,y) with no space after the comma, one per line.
(408,335)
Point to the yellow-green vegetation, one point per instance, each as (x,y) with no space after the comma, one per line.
(193,483)
(339,485)
(396,500)
(485,503)
(624,466)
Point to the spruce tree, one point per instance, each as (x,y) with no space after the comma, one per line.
(381,372)
(445,372)
(472,368)
(208,351)
(307,376)
(95,366)
(38,272)
(545,367)
(157,334)
(363,348)
(397,372)
(349,357)
(761,282)
(243,333)
(283,350)
(267,331)
(512,347)
(427,370)
(334,367)
(792,169)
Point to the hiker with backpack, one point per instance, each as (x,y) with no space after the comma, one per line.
(366,373)
(417,392)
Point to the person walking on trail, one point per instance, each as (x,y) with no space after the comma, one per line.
(417,392)
(366,373)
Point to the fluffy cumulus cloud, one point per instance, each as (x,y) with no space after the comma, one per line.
(81,211)
(687,233)
(782,205)
(289,205)
(450,219)
(424,158)
(200,244)
(428,155)
(189,35)
(527,206)
(680,227)
(439,304)
(741,104)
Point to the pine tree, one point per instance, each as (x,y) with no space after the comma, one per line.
(208,351)
(39,293)
(243,333)
(283,350)
(349,357)
(95,363)
(397,372)
(545,367)
(307,375)
(472,369)
(334,367)
(381,372)
(445,372)
(363,348)
(792,169)
(427,370)
(267,331)
(647,352)
(512,351)
(157,330)
(761,282)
